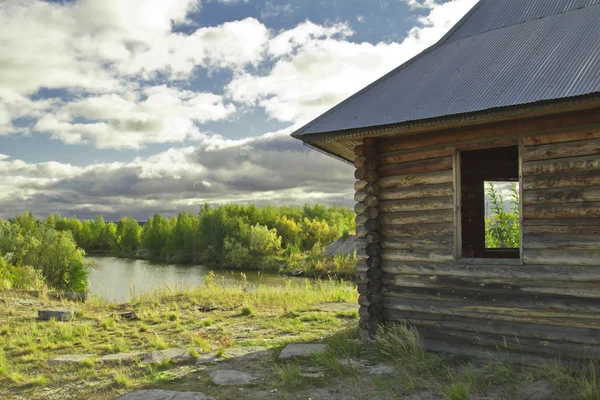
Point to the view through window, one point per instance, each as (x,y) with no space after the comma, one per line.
(502,215)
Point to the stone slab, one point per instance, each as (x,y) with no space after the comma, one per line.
(302,350)
(231,377)
(122,357)
(71,358)
(59,314)
(381,370)
(157,394)
(247,352)
(174,355)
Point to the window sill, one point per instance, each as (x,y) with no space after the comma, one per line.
(497,261)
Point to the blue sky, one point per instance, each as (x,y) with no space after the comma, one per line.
(128,107)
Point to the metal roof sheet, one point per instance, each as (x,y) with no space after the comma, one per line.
(503,53)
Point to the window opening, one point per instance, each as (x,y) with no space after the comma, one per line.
(490,226)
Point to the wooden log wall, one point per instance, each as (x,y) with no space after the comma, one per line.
(548,302)
(367,222)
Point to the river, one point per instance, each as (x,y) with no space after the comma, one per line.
(117,279)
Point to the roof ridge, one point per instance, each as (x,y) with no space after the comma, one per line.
(392,72)
(520,22)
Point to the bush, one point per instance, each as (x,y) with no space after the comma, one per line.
(502,230)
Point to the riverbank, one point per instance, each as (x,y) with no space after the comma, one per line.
(208,323)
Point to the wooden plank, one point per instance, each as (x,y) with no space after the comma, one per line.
(562,242)
(417,255)
(417,192)
(572,257)
(576,133)
(412,155)
(393,182)
(559,196)
(417,217)
(562,165)
(418,242)
(562,222)
(575,210)
(560,229)
(443,307)
(415,167)
(579,179)
(432,203)
(511,273)
(569,334)
(445,229)
(561,150)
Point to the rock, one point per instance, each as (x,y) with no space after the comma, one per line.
(122,357)
(381,370)
(228,377)
(248,352)
(71,359)
(173,355)
(312,375)
(538,390)
(302,350)
(59,314)
(157,394)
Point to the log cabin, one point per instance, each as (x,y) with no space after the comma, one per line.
(510,94)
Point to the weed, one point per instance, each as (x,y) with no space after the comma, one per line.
(38,380)
(142,327)
(173,317)
(4,331)
(290,314)
(107,323)
(193,352)
(122,380)
(207,322)
(117,345)
(201,342)
(158,343)
(588,384)
(289,373)
(458,391)
(247,311)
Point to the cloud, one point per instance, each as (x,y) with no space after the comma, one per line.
(315,67)
(272,169)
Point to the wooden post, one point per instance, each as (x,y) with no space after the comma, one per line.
(367,228)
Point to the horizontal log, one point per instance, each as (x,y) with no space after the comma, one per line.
(553,257)
(544,331)
(361,231)
(374,322)
(560,150)
(374,262)
(575,134)
(445,229)
(511,274)
(417,255)
(562,165)
(418,192)
(375,309)
(361,265)
(562,242)
(573,180)
(366,175)
(560,229)
(393,182)
(557,196)
(366,163)
(359,186)
(374,285)
(366,151)
(371,201)
(442,307)
(374,273)
(373,249)
(373,237)
(372,225)
(374,297)
(575,210)
(360,220)
(415,167)
(562,222)
(361,278)
(418,243)
(527,300)
(431,203)
(370,141)
(417,217)
(360,208)
(371,212)
(399,157)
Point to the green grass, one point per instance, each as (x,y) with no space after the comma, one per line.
(247,311)
(588,383)
(289,373)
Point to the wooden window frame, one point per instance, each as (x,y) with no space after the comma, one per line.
(458,242)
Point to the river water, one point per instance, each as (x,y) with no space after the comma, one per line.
(118,279)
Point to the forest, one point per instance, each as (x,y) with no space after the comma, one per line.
(51,251)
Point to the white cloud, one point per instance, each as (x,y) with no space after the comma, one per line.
(216,171)
(316,67)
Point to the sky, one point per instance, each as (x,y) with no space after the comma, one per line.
(131,107)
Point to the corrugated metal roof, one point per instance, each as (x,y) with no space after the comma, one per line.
(504,53)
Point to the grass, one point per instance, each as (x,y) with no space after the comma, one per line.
(167,318)
(289,373)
